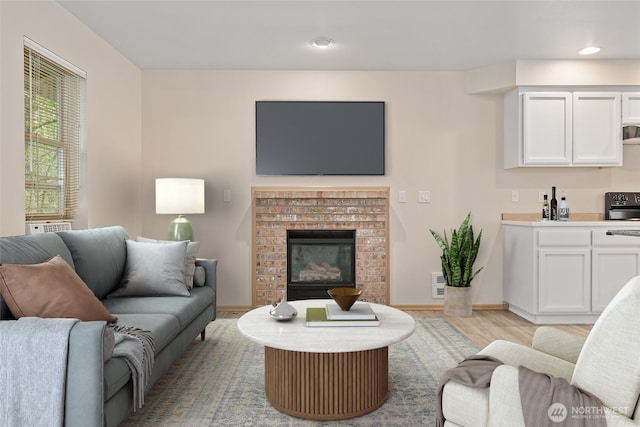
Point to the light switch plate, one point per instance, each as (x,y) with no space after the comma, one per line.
(226,196)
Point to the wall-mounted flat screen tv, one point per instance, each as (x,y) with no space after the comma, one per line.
(320,138)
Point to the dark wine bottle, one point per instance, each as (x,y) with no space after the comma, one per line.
(553,205)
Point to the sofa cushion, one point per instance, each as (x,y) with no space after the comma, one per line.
(99,256)
(183,309)
(190,258)
(32,249)
(163,328)
(49,289)
(154,269)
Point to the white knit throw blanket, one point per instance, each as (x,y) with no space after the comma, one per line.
(137,348)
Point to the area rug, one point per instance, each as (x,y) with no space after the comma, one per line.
(220,382)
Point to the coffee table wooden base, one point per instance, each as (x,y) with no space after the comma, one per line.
(326,386)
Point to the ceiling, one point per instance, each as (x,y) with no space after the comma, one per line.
(369,35)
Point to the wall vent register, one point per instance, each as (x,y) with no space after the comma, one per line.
(437,285)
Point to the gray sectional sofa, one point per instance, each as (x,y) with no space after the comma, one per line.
(100,393)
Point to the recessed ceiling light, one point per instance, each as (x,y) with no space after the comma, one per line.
(589,50)
(322,42)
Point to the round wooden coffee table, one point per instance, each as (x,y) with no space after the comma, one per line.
(326,373)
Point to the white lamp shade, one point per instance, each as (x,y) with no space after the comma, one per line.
(179,196)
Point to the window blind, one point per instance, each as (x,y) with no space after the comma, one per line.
(53,129)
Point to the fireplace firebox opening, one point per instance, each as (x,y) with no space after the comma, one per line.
(318,260)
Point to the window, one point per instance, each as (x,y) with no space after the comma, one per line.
(53,98)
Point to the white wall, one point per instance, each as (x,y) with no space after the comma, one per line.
(114,130)
(201,124)
(148,124)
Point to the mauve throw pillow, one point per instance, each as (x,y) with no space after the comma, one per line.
(154,270)
(50,289)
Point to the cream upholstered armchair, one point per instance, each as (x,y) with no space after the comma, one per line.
(606,364)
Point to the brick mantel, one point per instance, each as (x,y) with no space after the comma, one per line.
(278,209)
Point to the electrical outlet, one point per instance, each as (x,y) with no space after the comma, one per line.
(515,196)
(402,196)
(424,197)
(226,196)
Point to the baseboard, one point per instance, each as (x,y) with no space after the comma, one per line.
(429,307)
(234,308)
(440,307)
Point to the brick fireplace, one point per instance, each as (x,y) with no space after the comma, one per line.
(278,209)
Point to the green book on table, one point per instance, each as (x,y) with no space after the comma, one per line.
(317,316)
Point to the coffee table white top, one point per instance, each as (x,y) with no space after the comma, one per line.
(294,335)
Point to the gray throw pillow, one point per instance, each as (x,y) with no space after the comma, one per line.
(154,270)
(199,276)
(190,259)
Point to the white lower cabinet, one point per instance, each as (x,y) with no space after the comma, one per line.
(616,259)
(556,273)
(563,280)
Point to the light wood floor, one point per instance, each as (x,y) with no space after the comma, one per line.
(482,328)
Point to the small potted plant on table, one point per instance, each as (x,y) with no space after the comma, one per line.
(458,256)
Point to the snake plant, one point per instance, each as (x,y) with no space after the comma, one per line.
(459,254)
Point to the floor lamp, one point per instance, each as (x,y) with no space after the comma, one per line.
(179,196)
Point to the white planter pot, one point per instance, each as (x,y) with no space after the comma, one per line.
(457,301)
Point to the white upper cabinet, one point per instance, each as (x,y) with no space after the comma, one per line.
(544,129)
(631,108)
(597,130)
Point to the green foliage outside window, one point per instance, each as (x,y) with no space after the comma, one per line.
(52,102)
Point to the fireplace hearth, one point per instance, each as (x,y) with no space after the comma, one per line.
(318,260)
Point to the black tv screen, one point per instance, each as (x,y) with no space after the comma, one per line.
(319,138)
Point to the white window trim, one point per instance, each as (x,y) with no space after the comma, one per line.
(53,57)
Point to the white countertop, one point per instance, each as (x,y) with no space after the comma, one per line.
(602,224)
(294,335)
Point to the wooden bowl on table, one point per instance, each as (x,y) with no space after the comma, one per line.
(345,297)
